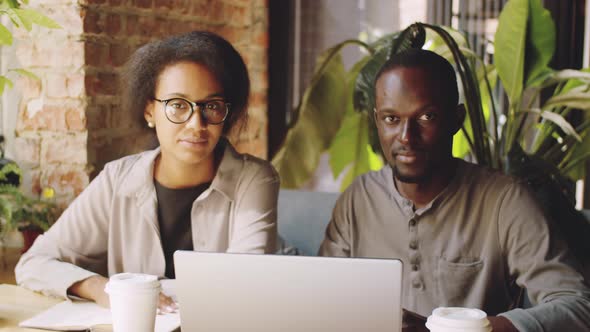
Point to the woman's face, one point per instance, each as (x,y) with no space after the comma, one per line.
(193,141)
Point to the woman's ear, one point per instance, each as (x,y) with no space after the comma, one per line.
(148,114)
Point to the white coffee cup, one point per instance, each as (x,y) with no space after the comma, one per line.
(455,319)
(134,301)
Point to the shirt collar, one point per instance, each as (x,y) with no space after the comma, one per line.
(407,206)
(140,179)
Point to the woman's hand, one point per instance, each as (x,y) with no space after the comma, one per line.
(166,304)
(91,288)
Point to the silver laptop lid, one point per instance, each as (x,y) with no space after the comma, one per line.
(244,292)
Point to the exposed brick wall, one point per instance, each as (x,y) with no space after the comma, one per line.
(70,124)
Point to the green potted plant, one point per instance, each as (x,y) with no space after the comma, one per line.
(30,216)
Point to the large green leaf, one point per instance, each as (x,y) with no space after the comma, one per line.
(540,41)
(341,153)
(558,120)
(573,164)
(577,98)
(29,17)
(509,46)
(351,150)
(317,120)
(363,93)
(26,73)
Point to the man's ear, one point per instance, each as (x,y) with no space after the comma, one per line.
(459,118)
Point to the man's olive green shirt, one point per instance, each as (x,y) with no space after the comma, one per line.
(466,248)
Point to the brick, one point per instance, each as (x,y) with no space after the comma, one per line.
(216,12)
(95,53)
(51,52)
(101,84)
(200,9)
(143,3)
(131,22)
(68,149)
(93,21)
(124,120)
(119,54)
(67,181)
(27,150)
(39,116)
(56,86)
(115,3)
(261,38)
(68,17)
(30,88)
(75,119)
(113,24)
(234,35)
(146,26)
(182,7)
(25,50)
(241,16)
(163,4)
(98,117)
(258,99)
(75,85)
(258,80)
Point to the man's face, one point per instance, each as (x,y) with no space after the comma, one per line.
(414,124)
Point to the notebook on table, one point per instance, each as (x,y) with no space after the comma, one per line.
(264,293)
(89,316)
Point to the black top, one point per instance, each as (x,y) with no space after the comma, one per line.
(174,219)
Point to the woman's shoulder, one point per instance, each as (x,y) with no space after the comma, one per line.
(131,167)
(249,164)
(130,161)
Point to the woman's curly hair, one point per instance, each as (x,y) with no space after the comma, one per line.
(141,71)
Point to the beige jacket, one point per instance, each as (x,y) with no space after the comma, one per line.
(112,226)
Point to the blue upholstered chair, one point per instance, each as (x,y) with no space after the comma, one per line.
(303,217)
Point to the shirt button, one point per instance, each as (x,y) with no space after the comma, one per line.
(416,283)
(415,267)
(412,222)
(413,245)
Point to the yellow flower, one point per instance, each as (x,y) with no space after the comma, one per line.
(48,193)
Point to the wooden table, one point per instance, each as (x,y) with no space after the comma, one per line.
(18,304)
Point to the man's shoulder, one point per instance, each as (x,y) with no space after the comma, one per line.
(485,177)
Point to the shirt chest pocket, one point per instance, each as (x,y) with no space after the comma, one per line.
(456,279)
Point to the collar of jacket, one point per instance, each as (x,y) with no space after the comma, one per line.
(140,179)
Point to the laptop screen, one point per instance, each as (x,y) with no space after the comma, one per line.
(246,292)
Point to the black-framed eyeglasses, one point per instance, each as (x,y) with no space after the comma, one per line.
(179,110)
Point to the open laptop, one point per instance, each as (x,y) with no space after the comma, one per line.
(270,293)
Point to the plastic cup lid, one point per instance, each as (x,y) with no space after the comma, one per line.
(136,281)
(459,317)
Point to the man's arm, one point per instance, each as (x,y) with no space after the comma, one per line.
(540,261)
(337,239)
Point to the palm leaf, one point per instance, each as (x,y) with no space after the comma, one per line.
(317,119)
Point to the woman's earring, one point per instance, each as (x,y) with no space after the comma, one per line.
(151,124)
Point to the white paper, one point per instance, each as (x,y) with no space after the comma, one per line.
(77,316)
